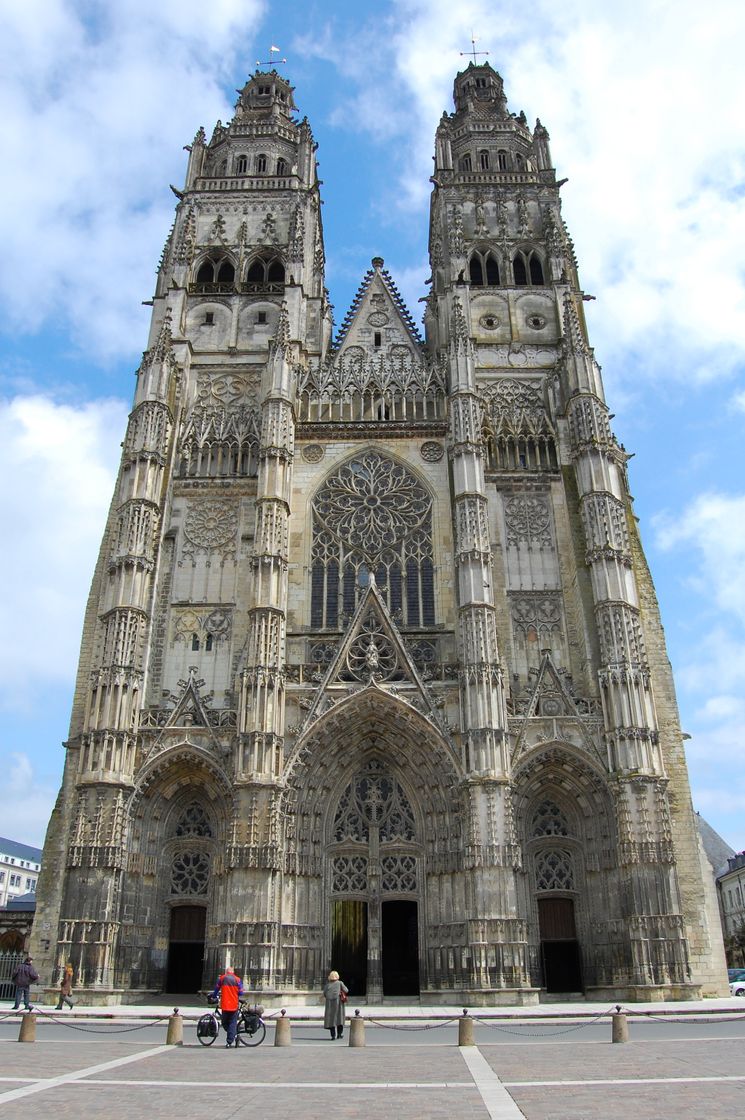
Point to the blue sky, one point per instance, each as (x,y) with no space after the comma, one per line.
(643,103)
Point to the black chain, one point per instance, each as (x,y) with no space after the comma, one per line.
(539,1034)
(98,1030)
(685,1018)
(423,1027)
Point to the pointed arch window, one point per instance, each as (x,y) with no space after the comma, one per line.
(261,164)
(372,515)
(484,160)
(503,159)
(241,166)
(215,274)
(527,268)
(265,273)
(483,268)
(464,164)
(282,166)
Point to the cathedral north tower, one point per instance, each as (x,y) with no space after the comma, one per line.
(372,672)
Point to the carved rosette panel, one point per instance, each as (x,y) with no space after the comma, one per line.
(211,527)
(227,390)
(190,873)
(399,874)
(554,870)
(527,519)
(349,875)
(216,623)
(537,616)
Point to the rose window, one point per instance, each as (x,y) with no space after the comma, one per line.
(372,516)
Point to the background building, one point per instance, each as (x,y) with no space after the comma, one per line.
(372,671)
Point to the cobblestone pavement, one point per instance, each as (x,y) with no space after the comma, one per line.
(125,1079)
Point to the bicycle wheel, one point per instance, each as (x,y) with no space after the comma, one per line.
(207,1029)
(251,1030)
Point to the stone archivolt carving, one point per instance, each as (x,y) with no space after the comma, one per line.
(515,408)
(554,870)
(356,386)
(374,799)
(211,525)
(527,520)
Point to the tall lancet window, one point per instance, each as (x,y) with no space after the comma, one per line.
(372,516)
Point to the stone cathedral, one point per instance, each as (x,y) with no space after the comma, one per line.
(372,673)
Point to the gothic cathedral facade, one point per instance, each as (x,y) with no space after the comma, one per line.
(372,673)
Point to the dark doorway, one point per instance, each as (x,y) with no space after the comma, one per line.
(186,949)
(562,966)
(400,948)
(349,943)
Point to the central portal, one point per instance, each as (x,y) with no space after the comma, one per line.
(374,874)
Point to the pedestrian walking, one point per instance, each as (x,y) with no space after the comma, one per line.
(65,989)
(335,993)
(24,976)
(229,989)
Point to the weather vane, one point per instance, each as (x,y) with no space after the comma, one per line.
(473,50)
(272,61)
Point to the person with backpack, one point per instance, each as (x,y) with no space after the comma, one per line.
(229,989)
(24,976)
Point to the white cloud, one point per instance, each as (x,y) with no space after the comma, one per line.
(59,463)
(98,100)
(714,525)
(643,105)
(27,804)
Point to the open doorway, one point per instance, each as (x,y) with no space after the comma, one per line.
(562,966)
(349,943)
(186,949)
(400,948)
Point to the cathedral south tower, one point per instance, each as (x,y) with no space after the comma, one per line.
(372,673)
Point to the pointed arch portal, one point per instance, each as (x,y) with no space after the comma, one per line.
(382,771)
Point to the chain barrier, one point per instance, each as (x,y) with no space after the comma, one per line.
(543,1033)
(712,1017)
(100,1030)
(411,1027)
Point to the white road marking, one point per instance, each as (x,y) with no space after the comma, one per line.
(65,1078)
(497,1100)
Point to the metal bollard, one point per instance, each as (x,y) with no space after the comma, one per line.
(283,1032)
(357,1030)
(27,1033)
(175,1035)
(620,1026)
(465,1029)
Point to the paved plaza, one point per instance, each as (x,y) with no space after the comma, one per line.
(563,1069)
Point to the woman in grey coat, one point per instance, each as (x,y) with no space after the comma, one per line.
(333,1018)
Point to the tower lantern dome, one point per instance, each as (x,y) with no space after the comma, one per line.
(266,93)
(479,82)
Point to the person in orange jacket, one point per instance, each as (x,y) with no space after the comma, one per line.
(229,989)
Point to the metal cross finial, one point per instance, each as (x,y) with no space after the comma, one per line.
(272,61)
(473,50)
